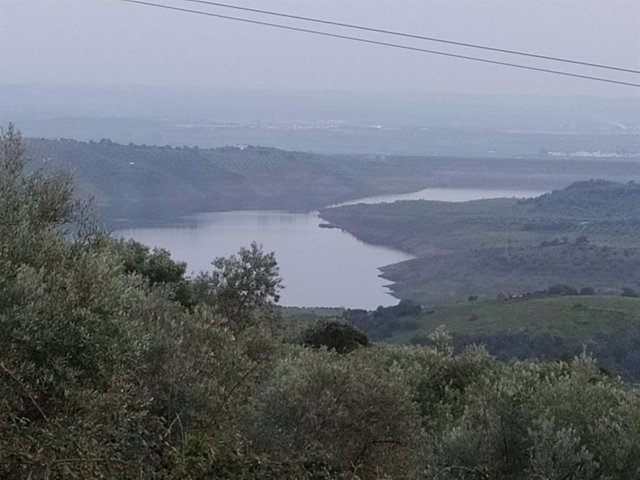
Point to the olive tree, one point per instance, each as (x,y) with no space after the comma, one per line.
(241,285)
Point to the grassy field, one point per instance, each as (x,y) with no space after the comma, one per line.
(310,314)
(551,327)
(573,317)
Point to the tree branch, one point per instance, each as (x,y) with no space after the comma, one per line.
(17,380)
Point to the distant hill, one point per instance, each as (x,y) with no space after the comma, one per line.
(586,235)
(593,198)
(147,183)
(152,183)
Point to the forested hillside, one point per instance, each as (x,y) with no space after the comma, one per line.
(159,183)
(139,183)
(114,365)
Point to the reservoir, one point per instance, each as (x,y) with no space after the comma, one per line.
(320,267)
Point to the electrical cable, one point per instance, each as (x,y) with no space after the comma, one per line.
(413,36)
(386,44)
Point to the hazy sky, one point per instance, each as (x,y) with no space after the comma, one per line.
(110,42)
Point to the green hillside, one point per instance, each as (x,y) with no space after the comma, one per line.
(147,183)
(549,327)
(571,317)
(150,183)
(586,235)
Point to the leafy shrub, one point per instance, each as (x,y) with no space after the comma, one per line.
(560,289)
(336,336)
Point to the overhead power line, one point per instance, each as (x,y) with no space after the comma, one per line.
(413,36)
(386,44)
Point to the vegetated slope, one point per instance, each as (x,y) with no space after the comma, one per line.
(579,318)
(542,326)
(586,235)
(595,199)
(154,183)
(553,328)
(149,183)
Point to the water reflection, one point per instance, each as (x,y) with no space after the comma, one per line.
(320,267)
(447,195)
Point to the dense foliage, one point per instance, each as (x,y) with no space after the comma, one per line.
(334,335)
(114,365)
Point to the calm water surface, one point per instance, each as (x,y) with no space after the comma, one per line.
(447,195)
(319,266)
